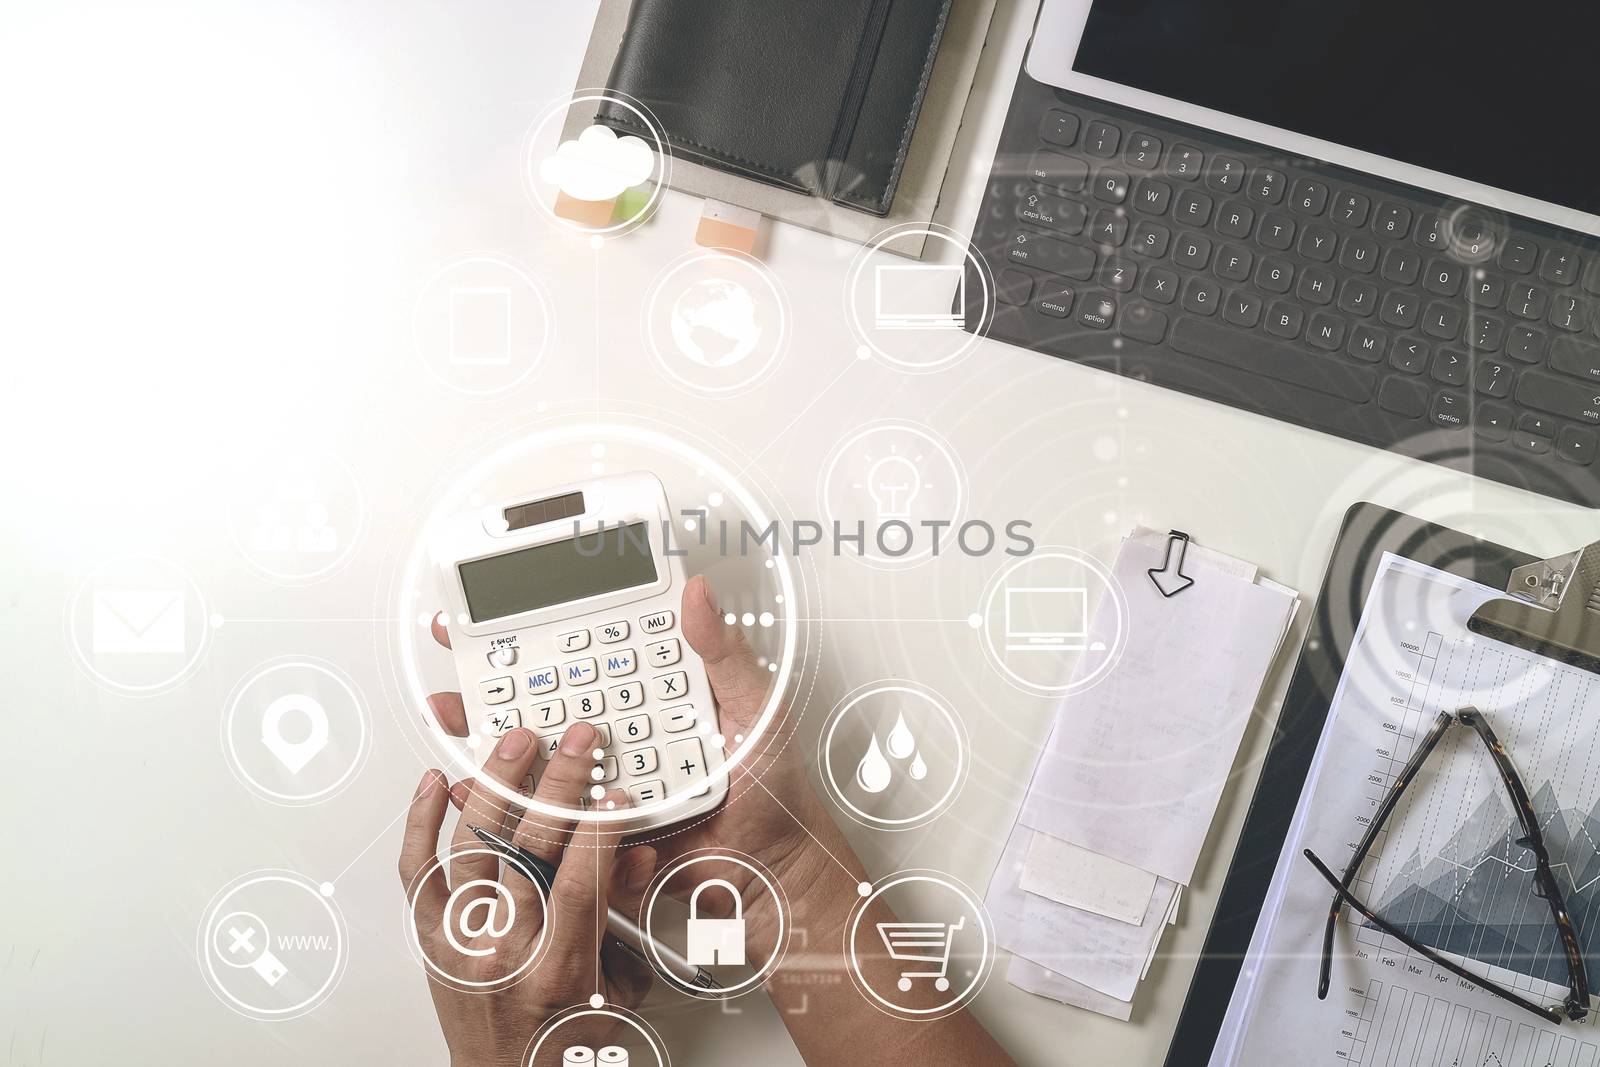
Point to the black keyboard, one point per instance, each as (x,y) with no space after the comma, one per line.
(1312,293)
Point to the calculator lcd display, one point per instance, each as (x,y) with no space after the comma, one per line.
(528,579)
(1500,94)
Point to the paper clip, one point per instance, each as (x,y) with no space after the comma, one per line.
(1169,577)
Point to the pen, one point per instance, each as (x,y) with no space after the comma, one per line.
(626,932)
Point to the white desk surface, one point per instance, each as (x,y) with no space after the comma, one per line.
(217,216)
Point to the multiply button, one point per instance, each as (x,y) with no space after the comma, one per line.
(497,690)
(623,661)
(655,623)
(578,672)
(542,680)
(664,653)
(670,686)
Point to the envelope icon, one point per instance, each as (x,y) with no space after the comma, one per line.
(145,622)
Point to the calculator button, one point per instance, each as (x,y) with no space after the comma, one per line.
(677,719)
(578,671)
(612,632)
(548,745)
(548,714)
(657,622)
(503,720)
(623,661)
(648,792)
(497,690)
(588,705)
(503,657)
(674,686)
(627,696)
(664,653)
(604,732)
(639,760)
(686,764)
(634,728)
(608,770)
(540,681)
(576,641)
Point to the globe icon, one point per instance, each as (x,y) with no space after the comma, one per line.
(714,322)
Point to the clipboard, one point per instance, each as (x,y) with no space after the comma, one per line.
(1555,611)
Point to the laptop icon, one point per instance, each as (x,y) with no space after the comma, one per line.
(1047,619)
(903,292)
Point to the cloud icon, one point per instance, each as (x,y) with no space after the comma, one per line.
(599,165)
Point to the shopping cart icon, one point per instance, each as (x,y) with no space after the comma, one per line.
(921,943)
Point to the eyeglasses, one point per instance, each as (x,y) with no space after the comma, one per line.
(1576,1005)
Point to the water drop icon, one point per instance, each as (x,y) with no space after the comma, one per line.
(919,769)
(901,743)
(873,772)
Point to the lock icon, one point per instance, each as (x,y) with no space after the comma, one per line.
(713,941)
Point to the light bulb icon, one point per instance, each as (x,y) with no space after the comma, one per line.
(893,482)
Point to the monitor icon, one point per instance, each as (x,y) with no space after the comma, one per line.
(900,296)
(1047,619)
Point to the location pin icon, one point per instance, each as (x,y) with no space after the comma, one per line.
(294,755)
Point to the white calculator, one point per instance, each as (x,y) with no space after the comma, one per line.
(563,608)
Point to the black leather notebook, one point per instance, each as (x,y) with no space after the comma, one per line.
(818,96)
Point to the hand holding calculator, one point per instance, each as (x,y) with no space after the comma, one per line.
(563,609)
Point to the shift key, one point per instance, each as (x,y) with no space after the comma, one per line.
(1057,257)
(1558,396)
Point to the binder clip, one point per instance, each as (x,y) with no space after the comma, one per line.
(1169,578)
(1552,609)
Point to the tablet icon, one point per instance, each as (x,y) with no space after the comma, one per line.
(908,296)
(1047,619)
(295,708)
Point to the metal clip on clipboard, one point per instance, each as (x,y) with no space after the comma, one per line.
(1552,609)
(1169,578)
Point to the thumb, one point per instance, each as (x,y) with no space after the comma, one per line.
(737,681)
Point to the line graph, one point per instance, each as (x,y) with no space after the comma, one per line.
(1397,1027)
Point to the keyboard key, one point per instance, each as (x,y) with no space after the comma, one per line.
(1579,358)
(640,761)
(1494,379)
(1429,233)
(1055,301)
(1399,309)
(1063,216)
(1559,268)
(1159,285)
(1527,442)
(1111,186)
(1284,363)
(1284,319)
(1193,251)
(633,728)
(1359,254)
(1235,220)
(1401,266)
(1193,208)
(1367,343)
(677,719)
(1058,173)
(1357,297)
(1275,275)
(1576,446)
(1403,397)
(1267,185)
(1542,425)
(1143,151)
(1409,355)
(1392,221)
(1442,277)
(1118,274)
(497,690)
(1059,128)
(1486,290)
(612,632)
(1013,287)
(1326,331)
(1309,197)
(1050,254)
(1102,139)
(1318,243)
(1151,239)
(1591,277)
(588,705)
(1570,313)
(1442,320)
(1527,302)
(1242,308)
(1517,255)
(1141,322)
(1350,209)
(1276,231)
(1110,228)
(685,765)
(1184,162)
(1234,263)
(1492,422)
(1526,344)
(578,671)
(1450,367)
(647,792)
(1485,333)
(548,713)
(1201,296)
(1098,312)
(1225,175)
(502,721)
(1152,197)
(1449,410)
(621,663)
(1569,400)
(625,697)
(1316,286)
